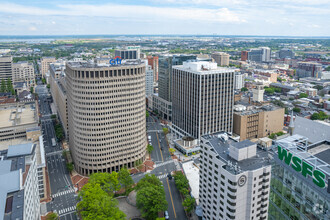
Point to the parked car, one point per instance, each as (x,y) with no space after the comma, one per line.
(166,215)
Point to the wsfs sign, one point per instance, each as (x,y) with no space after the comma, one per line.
(115,61)
(301,166)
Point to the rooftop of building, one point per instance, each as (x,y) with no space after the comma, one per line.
(221,147)
(11,115)
(202,67)
(256,109)
(12,165)
(93,65)
(283,86)
(313,130)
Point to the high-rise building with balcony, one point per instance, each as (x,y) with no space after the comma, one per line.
(202,99)
(106,115)
(234,178)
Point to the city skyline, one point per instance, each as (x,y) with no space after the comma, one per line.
(197,17)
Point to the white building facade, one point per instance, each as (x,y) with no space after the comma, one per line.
(234,179)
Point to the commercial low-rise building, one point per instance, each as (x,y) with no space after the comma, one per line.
(258,122)
(234,178)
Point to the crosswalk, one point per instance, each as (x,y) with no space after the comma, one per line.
(162,176)
(63,193)
(66,210)
(164,163)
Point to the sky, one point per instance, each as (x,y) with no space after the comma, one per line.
(158,17)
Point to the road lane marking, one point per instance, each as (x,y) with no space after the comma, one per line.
(161,154)
(169,189)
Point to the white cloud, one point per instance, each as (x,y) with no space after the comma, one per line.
(32,28)
(130,11)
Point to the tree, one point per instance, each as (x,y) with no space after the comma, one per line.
(269,90)
(52,216)
(125,178)
(31,89)
(181,182)
(109,182)
(150,148)
(318,87)
(244,89)
(43,80)
(303,95)
(189,203)
(319,116)
(172,150)
(147,180)
(48,86)
(97,204)
(69,166)
(151,200)
(3,87)
(165,130)
(278,90)
(296,109)
(147,114)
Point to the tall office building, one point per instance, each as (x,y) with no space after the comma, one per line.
(286,53)
(129,53)
(244,55)
(162,102)
(165,73)
(265,54)
(149,80)
(234,178)
(261,54)
(203,98)
(6,63)
(106,115)
(45,61)
(221,58)
(153,62)
(24,72)
(309,69)
(239,81)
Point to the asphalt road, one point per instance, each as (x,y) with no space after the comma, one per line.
(62,191)
(164,165)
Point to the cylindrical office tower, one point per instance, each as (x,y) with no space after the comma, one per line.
(106,115)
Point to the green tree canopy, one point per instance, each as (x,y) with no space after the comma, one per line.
(181,182)
(189,203)
(97,204)
(269,90)
(125,178)
(147,180)
(109,182)
(303,95)
(165,130)
(296,109)
(244,89)
(319,116)
(147,114)
(52,216)
(151,200)
(150,148)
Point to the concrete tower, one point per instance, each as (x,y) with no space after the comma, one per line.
(291,125)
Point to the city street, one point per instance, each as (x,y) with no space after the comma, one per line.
(62,191)
(164,165)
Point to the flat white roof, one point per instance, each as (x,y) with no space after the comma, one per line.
(192,174)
